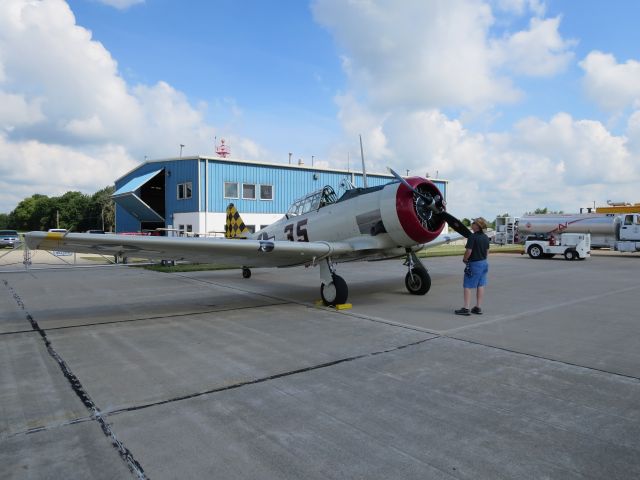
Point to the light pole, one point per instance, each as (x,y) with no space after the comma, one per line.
(181,147)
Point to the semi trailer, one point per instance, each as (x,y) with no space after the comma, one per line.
(617,232)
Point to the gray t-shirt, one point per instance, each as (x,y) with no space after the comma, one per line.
(479,245)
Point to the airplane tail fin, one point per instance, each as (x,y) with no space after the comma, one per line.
(234,227)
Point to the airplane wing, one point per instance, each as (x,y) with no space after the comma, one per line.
(442,240)
(231,252)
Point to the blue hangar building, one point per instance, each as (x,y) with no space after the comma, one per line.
(189,195)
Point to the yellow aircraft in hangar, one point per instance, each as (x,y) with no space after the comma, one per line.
(389,221)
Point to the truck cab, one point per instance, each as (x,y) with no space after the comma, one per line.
(630,227)
(629,233)
(574,246)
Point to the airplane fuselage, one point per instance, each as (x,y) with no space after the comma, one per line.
(378,221)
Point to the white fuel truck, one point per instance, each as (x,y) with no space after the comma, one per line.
(618,232)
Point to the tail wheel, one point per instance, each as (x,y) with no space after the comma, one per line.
(535,251)
(417,281)
(336,292)
(246,272)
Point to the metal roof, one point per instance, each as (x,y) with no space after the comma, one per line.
(264,164)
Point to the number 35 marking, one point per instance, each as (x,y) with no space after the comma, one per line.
(301,231)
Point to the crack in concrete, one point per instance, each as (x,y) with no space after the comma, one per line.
(46,428)
(95,413)
(266,379)
(141,319)
(533,355)
(441,334)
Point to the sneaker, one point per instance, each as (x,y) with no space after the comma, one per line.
(476,310)
(462,311)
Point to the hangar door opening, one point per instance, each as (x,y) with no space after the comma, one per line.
(144,198)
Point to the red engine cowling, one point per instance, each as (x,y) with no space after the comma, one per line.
(405,224)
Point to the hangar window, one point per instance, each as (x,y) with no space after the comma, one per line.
(249,191)
(266,192)
(251,228)
(230,190)
(184,190)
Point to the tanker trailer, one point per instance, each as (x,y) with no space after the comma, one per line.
(604,229)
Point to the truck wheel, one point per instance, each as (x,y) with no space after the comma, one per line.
(570,254)
(535,251)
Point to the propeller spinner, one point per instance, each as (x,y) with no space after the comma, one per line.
(432,208)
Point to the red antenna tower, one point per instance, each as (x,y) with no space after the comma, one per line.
(223,150)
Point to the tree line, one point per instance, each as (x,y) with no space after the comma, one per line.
(74,211)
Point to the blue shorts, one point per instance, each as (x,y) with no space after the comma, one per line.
(478,277)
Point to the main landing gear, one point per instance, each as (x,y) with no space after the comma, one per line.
(417,280)
(333,290)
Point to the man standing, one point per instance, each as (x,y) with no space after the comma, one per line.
(477,267)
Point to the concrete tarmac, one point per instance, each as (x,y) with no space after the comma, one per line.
(120,372)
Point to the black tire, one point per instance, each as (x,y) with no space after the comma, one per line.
(246,272)
(417,281)
(336,292)
(535,251)
(570,254)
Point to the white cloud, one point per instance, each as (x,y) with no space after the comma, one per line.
(438,54)
(18,111)
(539,51)
(28,167)
(561,163)
(409,61)
(587,152)
(358,120)
(121,4)
(64,102)
(613,86)
(430,54)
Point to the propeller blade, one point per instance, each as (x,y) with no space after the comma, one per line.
(403,181)
(456,224)
(427,198)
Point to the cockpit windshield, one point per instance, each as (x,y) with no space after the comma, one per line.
(313,201)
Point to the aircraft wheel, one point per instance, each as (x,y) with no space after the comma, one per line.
(535,251)
(570,254)
(246,272)
(336,292)
(417,281)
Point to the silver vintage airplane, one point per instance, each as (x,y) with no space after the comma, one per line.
(390,221)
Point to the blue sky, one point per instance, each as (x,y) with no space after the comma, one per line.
(519,103)
(278,65)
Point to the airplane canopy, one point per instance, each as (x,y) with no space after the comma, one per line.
(313,201)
